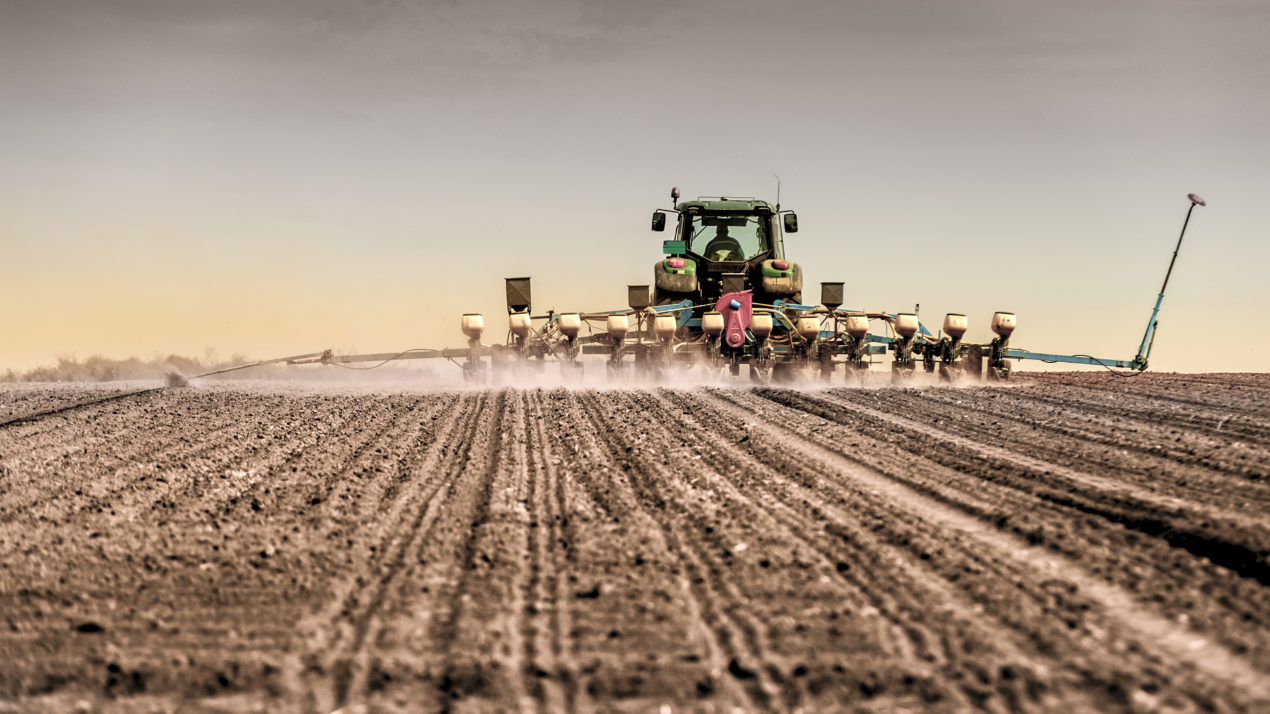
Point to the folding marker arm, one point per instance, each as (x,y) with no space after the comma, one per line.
(1012,353)
(1139,362)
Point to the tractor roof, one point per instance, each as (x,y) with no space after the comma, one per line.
(711,203)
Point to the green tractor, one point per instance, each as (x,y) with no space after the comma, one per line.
(725,245)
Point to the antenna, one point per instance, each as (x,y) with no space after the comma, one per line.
(778,192)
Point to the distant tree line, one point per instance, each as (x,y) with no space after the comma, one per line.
(105,369)
(176,368)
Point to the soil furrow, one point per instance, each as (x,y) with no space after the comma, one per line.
(735,637)
(749,613)
(75,484)
(631,565)
(28,418)
(1244,550)
(1182,420)
(1174,577)
(1145,451)
(1244,394)
(477,640)
(1061,542)
(1123,615)
(1061,457)
(547,672)
(342,636)
(911,579)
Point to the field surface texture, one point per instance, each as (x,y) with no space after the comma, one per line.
(1067,542)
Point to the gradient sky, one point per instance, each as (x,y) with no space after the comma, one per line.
(272,178)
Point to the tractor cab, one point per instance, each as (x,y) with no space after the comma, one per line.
(727,235)
(722,245)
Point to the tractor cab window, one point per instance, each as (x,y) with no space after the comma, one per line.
(736,236)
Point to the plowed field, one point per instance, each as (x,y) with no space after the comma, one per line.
(1062,543)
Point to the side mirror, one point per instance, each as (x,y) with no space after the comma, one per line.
(659,221)
(791,223)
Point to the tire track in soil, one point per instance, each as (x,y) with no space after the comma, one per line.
(340,653)
(907,414)
(1228,540)
(56,411)
(1194,421)
(353,675)
(1225,392)
(1174,579)
(452,636)
(18,399)
(326,657)
(494,619)
(637,637)
(1218,461)
(950,641)
(49,442)
(730,642)
(395,428)
(1188,651)
(550,674)
(750,609)
(481,637)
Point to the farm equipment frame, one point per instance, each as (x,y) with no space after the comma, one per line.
(726,297)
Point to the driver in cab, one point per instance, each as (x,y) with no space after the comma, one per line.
(723,247)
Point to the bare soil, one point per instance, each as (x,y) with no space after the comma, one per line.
(1066,542)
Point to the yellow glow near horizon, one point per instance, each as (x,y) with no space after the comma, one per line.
(255,184)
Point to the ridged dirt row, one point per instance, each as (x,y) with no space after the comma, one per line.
(1061,543)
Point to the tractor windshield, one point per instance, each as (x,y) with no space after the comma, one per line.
(729,236)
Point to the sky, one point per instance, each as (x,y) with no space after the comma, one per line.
(289,176)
